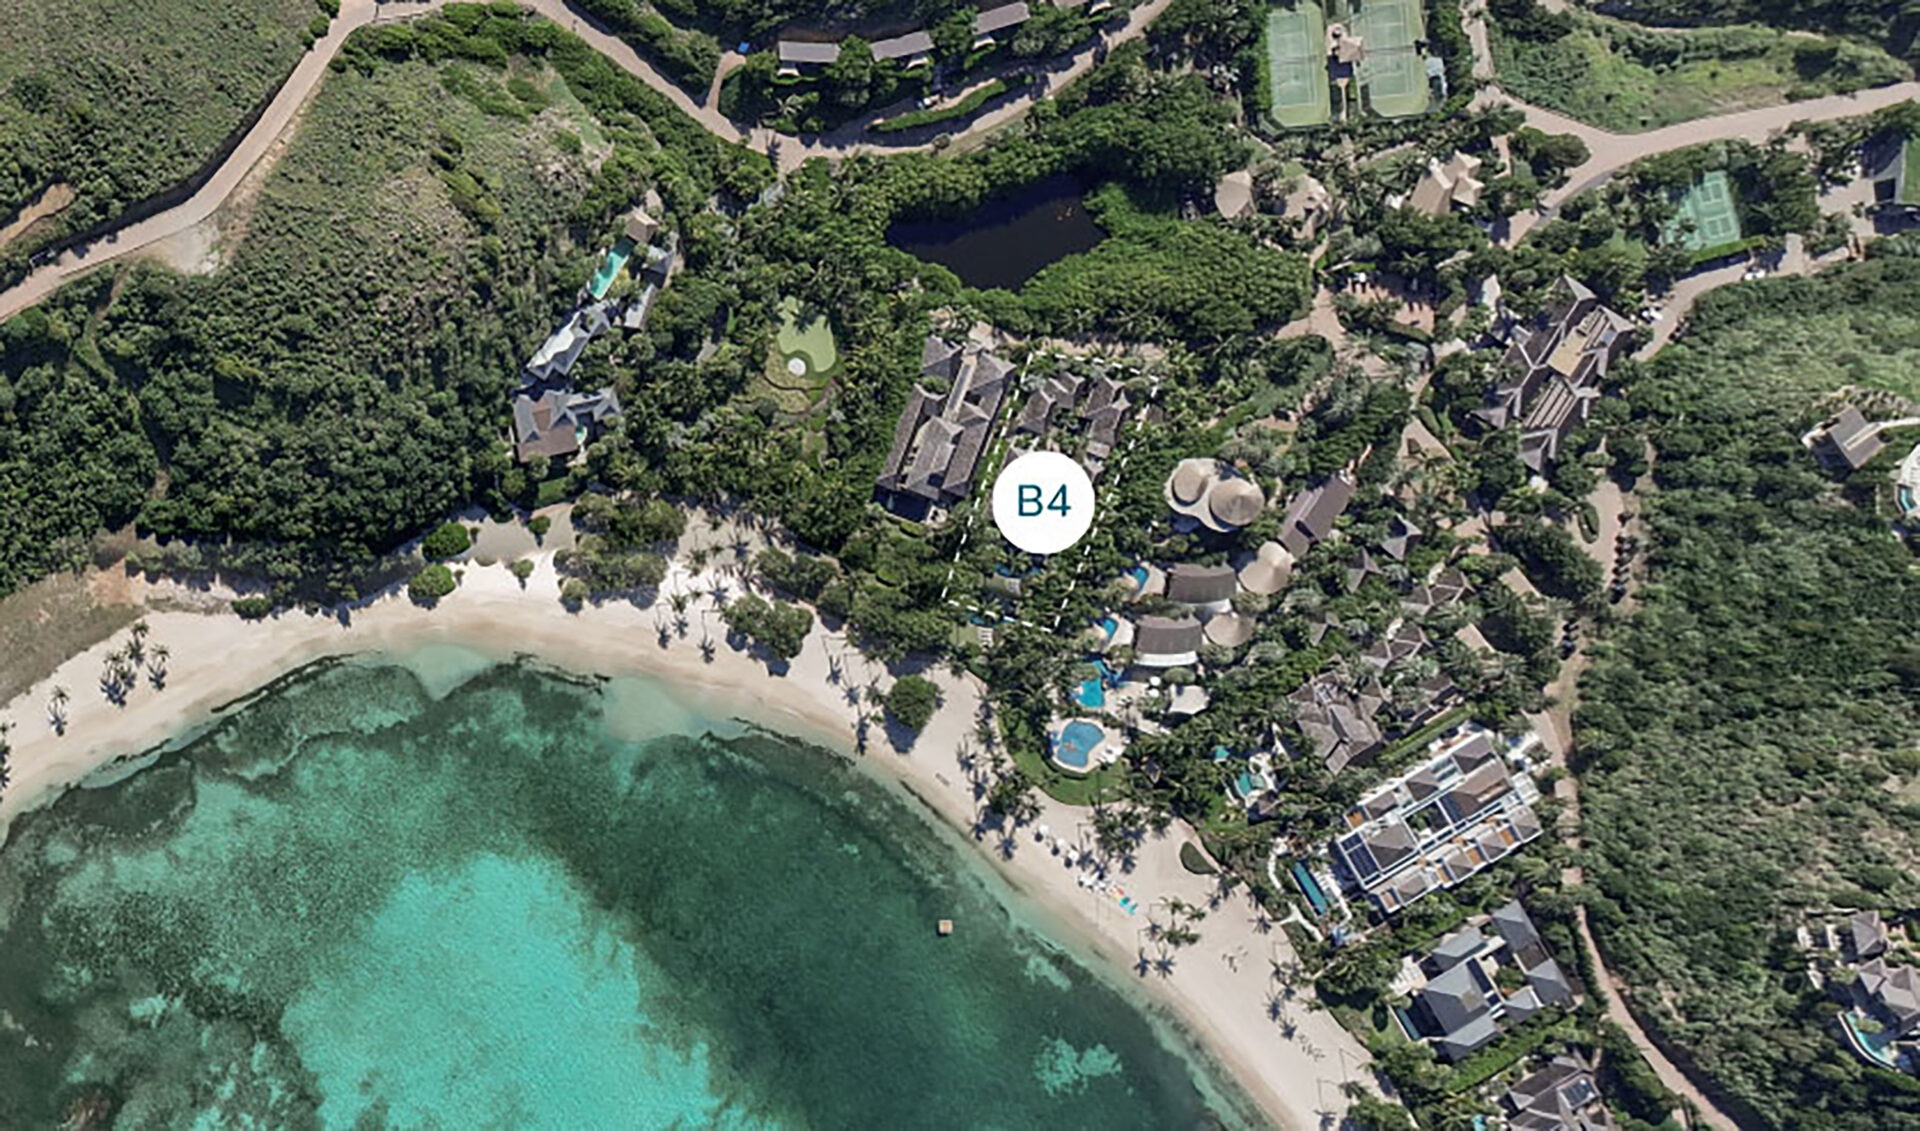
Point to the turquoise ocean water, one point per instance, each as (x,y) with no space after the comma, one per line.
(504,898)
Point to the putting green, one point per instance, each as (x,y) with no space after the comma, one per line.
(811,343)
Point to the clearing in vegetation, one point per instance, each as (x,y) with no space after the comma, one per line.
(1394,74)
(123,101)
(810,342)
(1297,62)
(1625,78)
(1708,216)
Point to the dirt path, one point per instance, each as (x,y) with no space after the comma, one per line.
(49,203)
(293,94)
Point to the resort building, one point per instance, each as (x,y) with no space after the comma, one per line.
(1449,588)
(1338,721)
(1094,407)
(1463,1004)
(796,56)
(1890,995)
(1553,372)
(914,49)
(559,423)
(1562,1096)
(554,360)
(989,24)
(1311,514)
(940,437)
(1166,642)
(1848,440)
(1457,813)
(1266,571)
(1202,587)
(1446,187)
(1205,492)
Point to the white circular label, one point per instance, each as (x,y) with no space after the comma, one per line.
(1043,502)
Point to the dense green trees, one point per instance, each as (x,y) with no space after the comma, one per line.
(1740,737)
(121,102)
(448,540)
(778,627)
(912,700)
(431,584)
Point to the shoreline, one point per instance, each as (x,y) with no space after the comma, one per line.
(1218,992)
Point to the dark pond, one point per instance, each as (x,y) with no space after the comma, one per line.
(1010,238)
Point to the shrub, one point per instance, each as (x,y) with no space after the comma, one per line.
(912,701)
(522,569)
(449,541)
(1195,861)
(539,524)
(252,608)
(431,584)
(574,593)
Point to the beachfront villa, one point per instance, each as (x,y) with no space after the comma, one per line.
(943,430)
(1457,813)
(1463,995)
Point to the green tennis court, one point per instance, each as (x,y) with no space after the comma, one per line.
(1297,62)
(1709,204)
(1393,72)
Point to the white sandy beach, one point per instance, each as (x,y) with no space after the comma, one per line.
(1223,988)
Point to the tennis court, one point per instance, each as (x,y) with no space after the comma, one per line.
(1393,72)
(1709,205)
(1297,62)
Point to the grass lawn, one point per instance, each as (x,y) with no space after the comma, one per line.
(1067,788)
(122,100)
(1624,78)
(810,341)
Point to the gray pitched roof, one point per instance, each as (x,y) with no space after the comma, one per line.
(1868,933)
(903,46)
(1457,997)
(1200,585)
(1550,983)
(1166,636)
(792,51)
(1457,947)
(1311,515)
(998,19)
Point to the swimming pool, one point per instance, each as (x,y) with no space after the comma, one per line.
(610,267)
(1073,749)
(1309,888)
(1092,694)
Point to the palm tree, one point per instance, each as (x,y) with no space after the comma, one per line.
(157,661)
(57,708)
(139,631)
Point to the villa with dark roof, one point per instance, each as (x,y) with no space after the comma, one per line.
(1167,642)
(1553,372)
(1462,1006)
(1311,514)
(1848,441)
(1094,407)
(1457,813)
(941,435)
(558,423)
(1562,1096)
